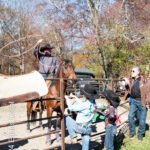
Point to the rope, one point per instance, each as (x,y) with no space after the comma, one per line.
(18,55)
(20,39)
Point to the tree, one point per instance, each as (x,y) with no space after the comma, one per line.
(103,37)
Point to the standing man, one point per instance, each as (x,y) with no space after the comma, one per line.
(47,63)
(136,104)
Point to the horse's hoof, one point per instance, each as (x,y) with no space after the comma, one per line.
(58,138)
(48,142)
(48,139)
(57,135)
(40,129)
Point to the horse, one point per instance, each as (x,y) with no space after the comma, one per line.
(65,70)
(33,113)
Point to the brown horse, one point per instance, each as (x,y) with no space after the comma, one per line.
(65,70)
(33,114)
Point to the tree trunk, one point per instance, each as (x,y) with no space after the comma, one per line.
(103,62)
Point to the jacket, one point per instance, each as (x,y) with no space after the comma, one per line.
(85,109)
(144,89)
(110,115)
(47,64)
(145,93)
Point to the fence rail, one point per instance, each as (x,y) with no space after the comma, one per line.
(61,99)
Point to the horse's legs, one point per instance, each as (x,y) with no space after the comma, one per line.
(58,128)
(41,111)
(40,122)
(28,115)
(49,114)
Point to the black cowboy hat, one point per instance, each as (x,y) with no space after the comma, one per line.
(112,97)
(46,47)
(90,92)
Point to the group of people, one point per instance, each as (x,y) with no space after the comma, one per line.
(86,106)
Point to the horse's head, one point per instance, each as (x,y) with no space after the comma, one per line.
(68,70)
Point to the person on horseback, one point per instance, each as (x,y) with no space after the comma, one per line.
(48,64)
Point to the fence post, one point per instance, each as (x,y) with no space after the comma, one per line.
(62,110)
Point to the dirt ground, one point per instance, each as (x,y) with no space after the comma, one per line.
(19,131)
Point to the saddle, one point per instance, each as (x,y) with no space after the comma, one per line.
(48,82)
(37,104)
(21,87)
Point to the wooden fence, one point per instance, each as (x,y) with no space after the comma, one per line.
(61,99)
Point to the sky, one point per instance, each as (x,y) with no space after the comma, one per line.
(30,5)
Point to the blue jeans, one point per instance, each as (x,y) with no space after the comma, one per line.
(109,137)
(137,106)
(138,113)
(45,75)
(74,128)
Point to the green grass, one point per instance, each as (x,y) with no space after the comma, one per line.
(135,144)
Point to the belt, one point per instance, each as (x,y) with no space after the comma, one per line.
(84,126)
(138,99)
(47,73)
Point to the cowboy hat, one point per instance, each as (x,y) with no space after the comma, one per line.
(112,97)
(46,47)
(89,92)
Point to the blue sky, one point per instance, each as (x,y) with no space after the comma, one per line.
(30,4)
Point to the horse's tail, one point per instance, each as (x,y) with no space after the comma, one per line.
(33,116)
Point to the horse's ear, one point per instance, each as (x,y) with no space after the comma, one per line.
(61,59)
(69,58)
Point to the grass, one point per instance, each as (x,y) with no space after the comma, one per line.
(134,143)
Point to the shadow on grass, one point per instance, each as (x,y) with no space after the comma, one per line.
(118,142)
(147,126)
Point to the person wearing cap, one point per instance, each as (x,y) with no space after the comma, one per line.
(134,91)
(47,63)
(85,113)
(113,101)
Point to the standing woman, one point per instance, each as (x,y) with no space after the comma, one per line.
(85,113)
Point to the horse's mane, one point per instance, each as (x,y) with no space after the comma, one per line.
(66,61)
